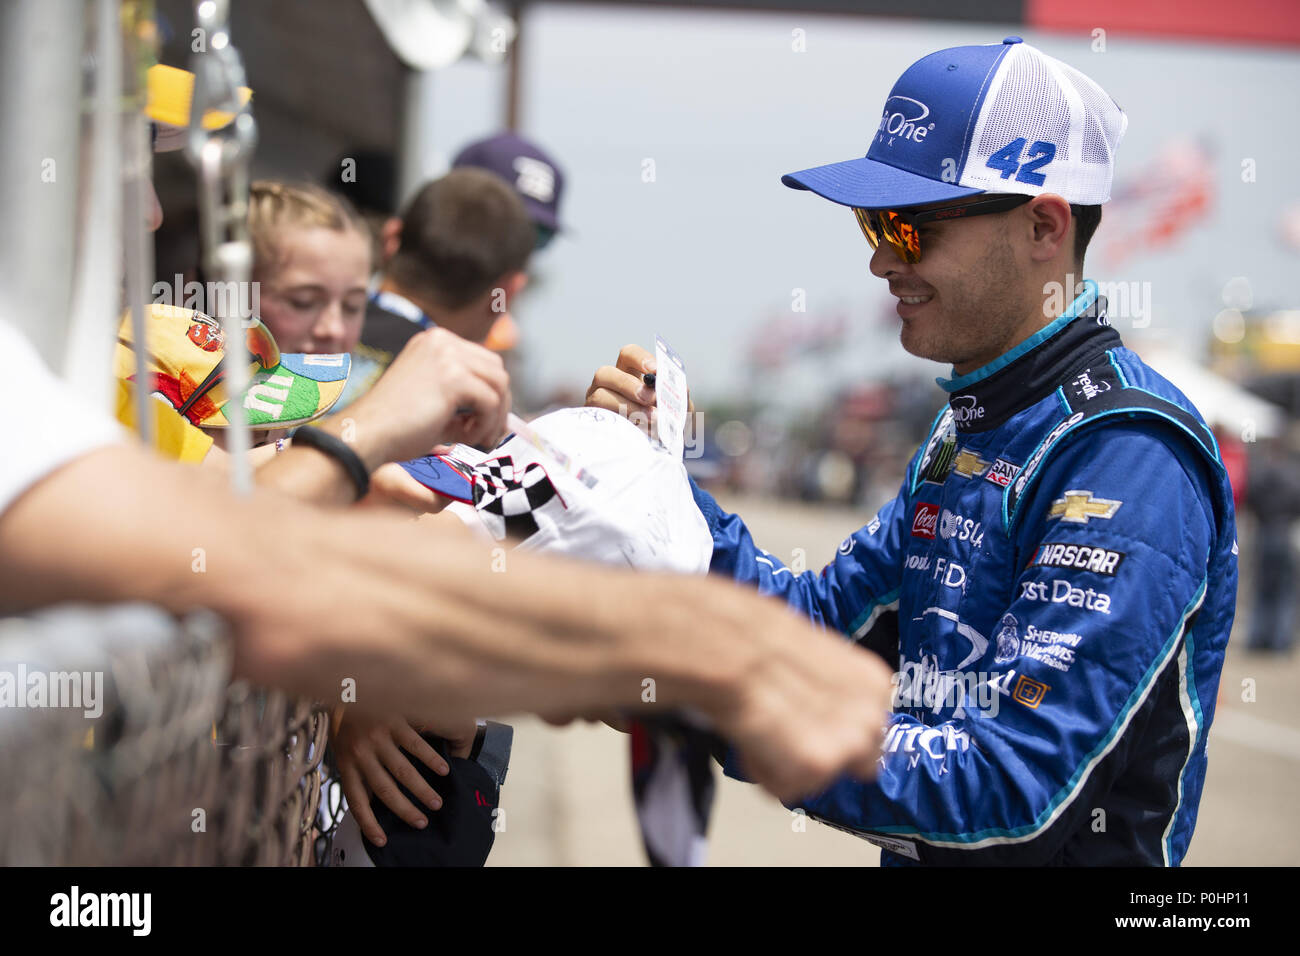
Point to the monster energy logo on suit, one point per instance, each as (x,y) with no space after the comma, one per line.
(944,457)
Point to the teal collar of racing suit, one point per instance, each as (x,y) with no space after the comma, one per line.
(987,397)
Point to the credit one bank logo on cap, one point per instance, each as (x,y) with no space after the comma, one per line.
(904,118)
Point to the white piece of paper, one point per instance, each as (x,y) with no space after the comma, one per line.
(670,397)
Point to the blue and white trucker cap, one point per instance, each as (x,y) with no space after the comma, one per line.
(1002,118)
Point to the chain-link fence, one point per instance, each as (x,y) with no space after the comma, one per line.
(123,741)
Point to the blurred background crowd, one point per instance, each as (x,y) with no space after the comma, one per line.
(657,124)
(645,142)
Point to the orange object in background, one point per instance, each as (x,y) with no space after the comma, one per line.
(504,334)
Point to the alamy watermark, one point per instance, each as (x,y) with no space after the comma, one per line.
(242,300)
(75,908)
(692,429)
(920,684)
(81,690)
(1127,301)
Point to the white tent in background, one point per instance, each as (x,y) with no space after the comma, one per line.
(1221,402)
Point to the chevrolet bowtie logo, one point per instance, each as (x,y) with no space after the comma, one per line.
(1080,506)
(968,464)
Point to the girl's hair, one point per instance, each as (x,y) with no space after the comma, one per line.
(275,206)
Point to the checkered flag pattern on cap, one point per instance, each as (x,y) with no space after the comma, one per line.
(1036,105)
(507,497)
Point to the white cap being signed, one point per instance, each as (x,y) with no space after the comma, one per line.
(639,511)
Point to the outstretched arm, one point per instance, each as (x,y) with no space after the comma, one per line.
(428,630)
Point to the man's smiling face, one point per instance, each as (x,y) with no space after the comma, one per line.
(969,299)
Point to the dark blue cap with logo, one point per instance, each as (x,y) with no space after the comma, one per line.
(534,175)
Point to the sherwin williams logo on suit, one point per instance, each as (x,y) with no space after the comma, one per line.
(925,520)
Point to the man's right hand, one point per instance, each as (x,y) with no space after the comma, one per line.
(416,403)
(802,707)
(811,708)
(391,486)
(621,389)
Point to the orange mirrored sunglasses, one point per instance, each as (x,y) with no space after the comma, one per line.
(901,229)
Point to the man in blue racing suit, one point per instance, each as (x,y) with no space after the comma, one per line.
(1056,580)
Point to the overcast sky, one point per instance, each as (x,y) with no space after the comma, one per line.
(724,106)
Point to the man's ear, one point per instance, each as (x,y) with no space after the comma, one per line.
(512,283)
(1050,221)
(390,237)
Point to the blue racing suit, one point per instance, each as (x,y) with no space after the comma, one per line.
(1055,585)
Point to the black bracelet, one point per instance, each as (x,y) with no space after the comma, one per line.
(339,450)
